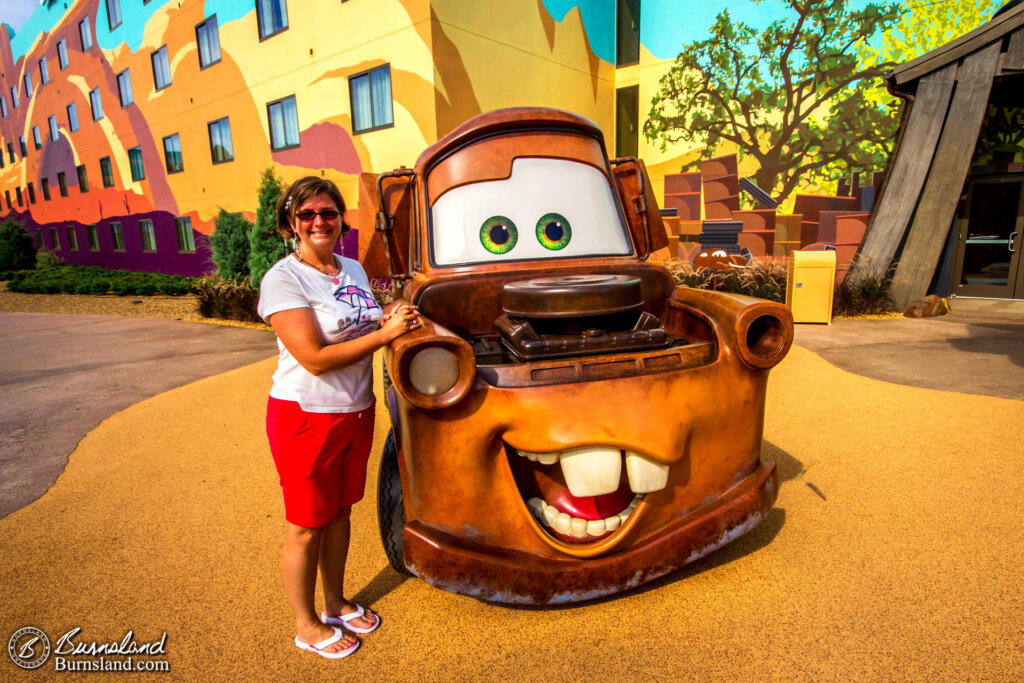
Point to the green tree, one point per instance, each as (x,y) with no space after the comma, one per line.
(266,246)
(791,96)
(229,244)
(16,249)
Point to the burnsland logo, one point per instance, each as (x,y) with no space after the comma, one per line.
(29,648)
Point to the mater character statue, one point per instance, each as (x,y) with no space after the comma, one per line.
(567,424)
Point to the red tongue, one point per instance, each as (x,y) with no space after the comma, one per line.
(554,491)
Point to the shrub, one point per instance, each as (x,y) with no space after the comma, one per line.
(229,299)
(229,244)
(47,259)
(762,279)
(864,291)
(95,280)
(266,247)
(16,249)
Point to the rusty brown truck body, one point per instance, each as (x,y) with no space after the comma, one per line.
(567,423)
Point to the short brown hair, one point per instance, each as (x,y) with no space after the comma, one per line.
(300,192)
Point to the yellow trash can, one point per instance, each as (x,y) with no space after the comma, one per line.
(809,287)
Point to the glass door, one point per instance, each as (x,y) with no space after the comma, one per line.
(989,239)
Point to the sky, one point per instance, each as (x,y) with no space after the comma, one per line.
(15,12)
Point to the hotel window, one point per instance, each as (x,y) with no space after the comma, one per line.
(94,238)
(31,194)
(83,178)
(1,159)
(44,185)
(627,29)
(113,13)
(172,154)
(24,147)
(62,53)
(44,75)
(117,236)
(72,238)
(10,151)
(146,233)
(161,68)
(3,106)
(40,243)
(62,183)
(85,34)
(371,100)
(72,117)
(7,194)
(97,104)
(135,161)
(14,96)
(28,84)
(37,139)
(106,172)
(208,41)
(17,193)
(183,231)
(124,88)
(220,141)
(284,124)
(55,238)
(272,16)
(53,127)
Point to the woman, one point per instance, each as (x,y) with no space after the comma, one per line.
(321,407)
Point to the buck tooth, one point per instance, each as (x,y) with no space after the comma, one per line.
(562,523)
(596,527)
(547,458)
(612,523)
(591,471)
(645,475)
(536,506)
(578,527)
(550,512)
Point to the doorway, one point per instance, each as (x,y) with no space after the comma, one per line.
(989,235)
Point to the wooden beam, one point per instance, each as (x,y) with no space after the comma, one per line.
(946,178)
(991,31)
(1013,60)
(910,164)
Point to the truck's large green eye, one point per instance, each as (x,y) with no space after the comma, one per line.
(553,231)
(498,235)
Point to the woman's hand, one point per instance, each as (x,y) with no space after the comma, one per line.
(400,320)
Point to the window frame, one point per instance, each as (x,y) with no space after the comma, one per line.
(3,106)
(62,183)
(142,166)
(10,151)
(351,99)
(117,235)
(37,137)
(86,35)
(27,80)
(44,185)
(162,50)
(209,129)
(62,53)
(72,235)
(107,172)
(14,95)
(17,193)
(259,21)
(31,192)
(183,232)
(44,73)
(147,236)
(55,238)
(96,103)
(54,132)
(83,178)
(270,124)
(167,159)
(22,146)
(93,237)
(216,35)
(121,90)
(110,19)
(72,112)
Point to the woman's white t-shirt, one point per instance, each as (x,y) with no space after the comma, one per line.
(343,311)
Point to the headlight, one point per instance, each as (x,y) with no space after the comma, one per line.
(433,371)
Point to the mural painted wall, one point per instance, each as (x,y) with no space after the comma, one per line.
(290,87)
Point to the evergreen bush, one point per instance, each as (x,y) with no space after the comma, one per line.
(266,246)
(16,249)
(229,244)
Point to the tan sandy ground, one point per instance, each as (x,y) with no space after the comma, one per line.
(169,518)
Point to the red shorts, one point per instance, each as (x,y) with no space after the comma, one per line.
(321,459)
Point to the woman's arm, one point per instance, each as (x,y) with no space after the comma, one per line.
(298,331)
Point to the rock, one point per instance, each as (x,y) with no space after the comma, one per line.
(927,307)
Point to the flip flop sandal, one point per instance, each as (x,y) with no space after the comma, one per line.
(319,647)
(344,620)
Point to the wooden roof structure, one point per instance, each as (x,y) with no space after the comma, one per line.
(947,92)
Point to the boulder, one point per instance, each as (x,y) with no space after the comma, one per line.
(927,306)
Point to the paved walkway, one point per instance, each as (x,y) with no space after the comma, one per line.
(61,375)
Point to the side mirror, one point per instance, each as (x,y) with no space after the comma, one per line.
(637,197)
(389,247)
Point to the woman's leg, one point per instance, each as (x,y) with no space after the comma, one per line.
(302,546)
(333,555)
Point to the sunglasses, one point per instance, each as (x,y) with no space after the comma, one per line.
(308,216)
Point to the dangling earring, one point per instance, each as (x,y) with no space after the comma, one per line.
(342,243)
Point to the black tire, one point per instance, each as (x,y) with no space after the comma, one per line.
(390,512)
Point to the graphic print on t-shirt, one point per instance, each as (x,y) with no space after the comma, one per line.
(359,320)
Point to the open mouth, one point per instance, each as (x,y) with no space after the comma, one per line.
(583,495)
